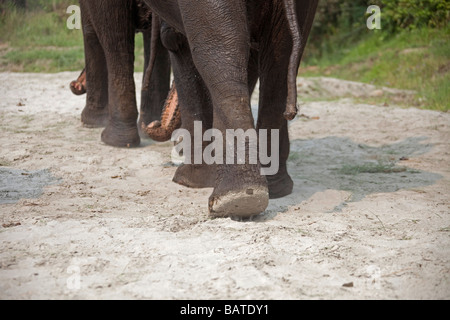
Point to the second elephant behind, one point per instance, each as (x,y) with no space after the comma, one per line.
(108,80)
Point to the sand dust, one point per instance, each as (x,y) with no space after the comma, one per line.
(81,220)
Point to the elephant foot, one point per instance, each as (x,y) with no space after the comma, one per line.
(280,185)
(196,176)
(121,137)
(241,193)
(95,118)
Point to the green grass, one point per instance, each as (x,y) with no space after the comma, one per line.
(40,41)
(44,59)
(371,168)
(415,60)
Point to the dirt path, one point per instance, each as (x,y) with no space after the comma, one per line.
(83,220)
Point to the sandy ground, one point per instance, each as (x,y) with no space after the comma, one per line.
(369,217)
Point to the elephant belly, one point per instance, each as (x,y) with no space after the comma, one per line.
(168,11)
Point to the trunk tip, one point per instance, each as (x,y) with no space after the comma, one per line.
(291,112)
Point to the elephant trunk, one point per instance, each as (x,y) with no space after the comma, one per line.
(170,119)
(156,25)
(294,61)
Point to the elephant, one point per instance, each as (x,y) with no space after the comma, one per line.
(218,52)
(222,49)
(107,77)
(157,130)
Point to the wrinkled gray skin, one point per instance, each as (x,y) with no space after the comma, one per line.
(109,57)
(152,98)
(219,51)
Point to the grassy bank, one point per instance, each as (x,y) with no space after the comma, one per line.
(415,60)
(39,41)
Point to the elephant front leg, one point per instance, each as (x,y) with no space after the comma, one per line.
(219,39)
(95,113)
(121,130)
(115,32)
(240,190)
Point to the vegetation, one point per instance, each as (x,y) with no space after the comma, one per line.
(414,59)
(411,51)
(371,168)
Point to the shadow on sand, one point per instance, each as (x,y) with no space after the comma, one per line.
(338,163)
(16,184)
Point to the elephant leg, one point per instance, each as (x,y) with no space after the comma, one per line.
(273,66)
(115,30)
(195,105)
(220,51)
(95,113)
(152,99)
(273,93)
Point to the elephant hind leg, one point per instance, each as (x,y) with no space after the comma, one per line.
(274,92)
(116,32)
